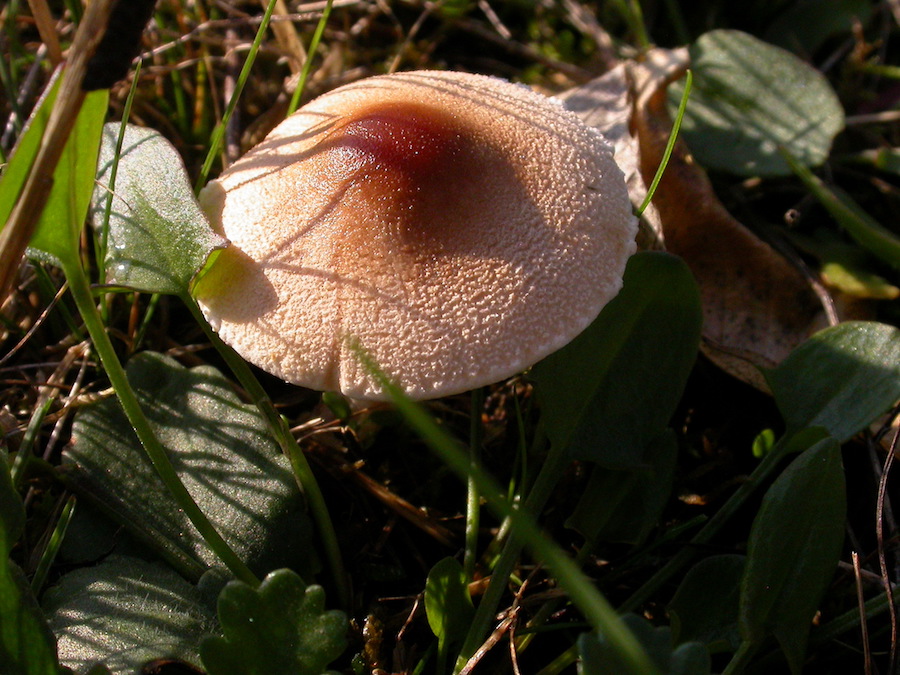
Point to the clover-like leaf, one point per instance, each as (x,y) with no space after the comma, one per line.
(689,658)
(158,236)
(281,628)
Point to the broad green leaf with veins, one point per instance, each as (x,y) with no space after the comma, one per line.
(159,237)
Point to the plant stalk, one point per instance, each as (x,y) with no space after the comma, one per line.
(310,53)
(218,134)
(473,497)
(581,590)
(741,658)
(537,498)
(303,473)
(84,300)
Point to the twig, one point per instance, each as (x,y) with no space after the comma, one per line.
(413,31)
(44,21)
(517,48)
(397,504)
(36,326)
(25,215)
(492,640)
(513,654)
(865,576)
(491,15)
(585,21)
(882,558)
(863,626)
(232,71)
(873,118)
(310,11)
(70,401)
(288,40)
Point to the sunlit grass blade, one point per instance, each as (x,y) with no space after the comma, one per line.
(473,498)
(310,53)
(113,170)
(218,134)
(670,144)
(581,590)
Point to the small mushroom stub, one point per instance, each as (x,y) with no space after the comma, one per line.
(457,227)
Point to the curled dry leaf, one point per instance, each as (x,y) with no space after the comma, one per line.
(757,306)
(605,104)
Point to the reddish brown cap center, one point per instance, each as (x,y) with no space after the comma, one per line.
(406,139)
(411,172)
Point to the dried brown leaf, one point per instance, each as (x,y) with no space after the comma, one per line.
(757,306)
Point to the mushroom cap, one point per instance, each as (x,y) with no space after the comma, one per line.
(457,227)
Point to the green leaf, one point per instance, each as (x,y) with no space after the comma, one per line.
(125,612)
(26,644)
(806,24)
(15,173)
(845,265)
(705,606)
(63,218)
(12,511)
(864,229)
(281,628)
(448,605)
(793,550)
(764,443)
(748,99)
(858,282)
(158,236)
(690,658)
(610,391)
(840,379)
(222,450)
(884,159)
(623,505)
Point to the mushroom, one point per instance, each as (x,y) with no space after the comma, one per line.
(458,227)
